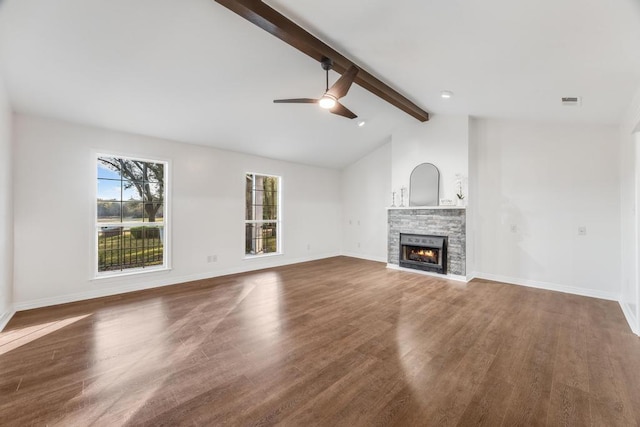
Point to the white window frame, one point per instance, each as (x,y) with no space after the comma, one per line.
(278,220)
(166,222)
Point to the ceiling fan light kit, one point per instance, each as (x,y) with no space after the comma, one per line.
(327,102)
(330,99)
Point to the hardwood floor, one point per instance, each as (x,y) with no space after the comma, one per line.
(333,342)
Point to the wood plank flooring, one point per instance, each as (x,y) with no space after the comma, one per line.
(333,342)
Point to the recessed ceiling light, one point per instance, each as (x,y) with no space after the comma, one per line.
(446,94)
(361,123)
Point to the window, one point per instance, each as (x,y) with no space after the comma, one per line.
(131,222)
(262,220)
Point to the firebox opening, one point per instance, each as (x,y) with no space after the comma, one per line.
(427,253)
(430,256)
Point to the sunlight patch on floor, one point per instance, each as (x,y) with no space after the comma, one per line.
(20,337)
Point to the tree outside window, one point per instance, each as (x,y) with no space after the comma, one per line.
(130,221)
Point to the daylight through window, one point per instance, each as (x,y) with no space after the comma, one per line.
(130,221)
(262,220)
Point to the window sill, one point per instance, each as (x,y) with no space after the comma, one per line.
(133,272)
(263,255)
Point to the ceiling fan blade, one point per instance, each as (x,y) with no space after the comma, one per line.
(343,111)
(341,87)
(296,101)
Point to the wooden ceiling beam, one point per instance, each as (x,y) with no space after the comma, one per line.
(272,21)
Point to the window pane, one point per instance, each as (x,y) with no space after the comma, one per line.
(270,184)
(155,172)
(109,245)
(269,205)
(109,190)
(153,212)
(106,168)
(152,192)
(121,248)
(262,204)
(132,211)
(108,211)
(131,190)
(261,238)
(258,197)
(270,212)
(249,212)
(270,195)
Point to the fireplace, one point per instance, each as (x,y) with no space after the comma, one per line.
(427,253)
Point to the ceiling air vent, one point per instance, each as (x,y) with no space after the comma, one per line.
(571,100)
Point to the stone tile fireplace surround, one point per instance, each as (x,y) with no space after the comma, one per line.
(439,221)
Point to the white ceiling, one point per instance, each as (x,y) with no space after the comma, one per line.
(192,71)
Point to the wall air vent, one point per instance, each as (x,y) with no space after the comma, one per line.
(571,101)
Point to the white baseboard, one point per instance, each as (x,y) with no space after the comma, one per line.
(5,318)
(157,283)
(593,293)
(631,318)
(365,257)
(428,273)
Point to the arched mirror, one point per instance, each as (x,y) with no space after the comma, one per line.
(424,185)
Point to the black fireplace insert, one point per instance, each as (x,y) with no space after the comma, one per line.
(423,252)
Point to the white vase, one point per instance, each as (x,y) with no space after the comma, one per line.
(460,202)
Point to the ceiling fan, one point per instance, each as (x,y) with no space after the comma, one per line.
(330,99)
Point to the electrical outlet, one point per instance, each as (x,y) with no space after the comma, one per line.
(582,230)
(514,228)
(212,258)
(358,244)
(308,246)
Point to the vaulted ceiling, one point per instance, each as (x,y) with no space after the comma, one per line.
(193,71)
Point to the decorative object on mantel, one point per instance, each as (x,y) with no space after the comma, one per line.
(424,185)
(393,199)
(447,202)
(403,190)
(459,192)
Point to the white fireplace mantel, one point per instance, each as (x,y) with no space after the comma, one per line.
(425,207)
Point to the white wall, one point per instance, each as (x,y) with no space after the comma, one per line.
(629,218)
(55,192)
(443,141)
(6,209)
(628,227)
(546,179)
(536,184)
(472,202)
(368,183)
(366,192)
